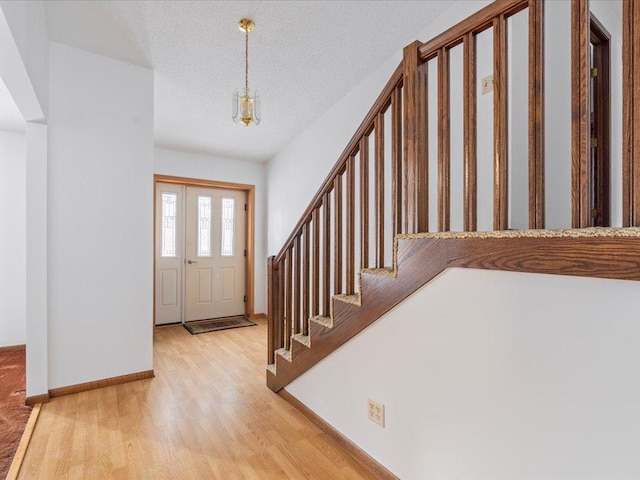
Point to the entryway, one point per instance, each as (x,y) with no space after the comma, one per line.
(203,250)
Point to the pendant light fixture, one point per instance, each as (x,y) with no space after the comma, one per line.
(246,108)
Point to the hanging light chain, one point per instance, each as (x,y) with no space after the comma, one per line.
(246,62)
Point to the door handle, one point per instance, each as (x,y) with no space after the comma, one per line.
(191,261)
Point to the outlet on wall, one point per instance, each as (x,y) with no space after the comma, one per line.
(487,84)
(376,412)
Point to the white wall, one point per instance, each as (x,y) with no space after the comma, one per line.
(37,264)
(497,385)
(24,67)
(23,26)
(183,164)
(100,217)
(296,172)
(13,232)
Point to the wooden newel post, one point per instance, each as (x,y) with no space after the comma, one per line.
(273,289)
(415,141)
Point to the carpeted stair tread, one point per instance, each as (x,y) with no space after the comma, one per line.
(324,321)
(352,299)
(303,339)
(284,353)
(385,272)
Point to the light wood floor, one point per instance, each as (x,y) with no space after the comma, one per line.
(207,414)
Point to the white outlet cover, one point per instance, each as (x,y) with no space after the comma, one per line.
(375,412)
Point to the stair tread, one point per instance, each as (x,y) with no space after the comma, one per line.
(324,321)
(284,353)
(352,299)
(303,339)
(272,368)
(387,271)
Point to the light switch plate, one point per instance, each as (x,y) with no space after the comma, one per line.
(487,84)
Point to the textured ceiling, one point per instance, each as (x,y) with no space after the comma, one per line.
(10,117)
(304,56)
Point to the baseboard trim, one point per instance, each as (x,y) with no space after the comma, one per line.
(36,399)
(347,445)
(18,458)
(106,382)
(11,348)
(258,316)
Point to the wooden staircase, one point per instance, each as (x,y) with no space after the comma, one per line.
(336,275)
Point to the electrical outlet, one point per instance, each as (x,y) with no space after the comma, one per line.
(376,412)
(487,84)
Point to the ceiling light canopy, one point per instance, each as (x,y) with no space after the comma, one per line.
(246,108)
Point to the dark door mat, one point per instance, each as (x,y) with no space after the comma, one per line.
(215,324)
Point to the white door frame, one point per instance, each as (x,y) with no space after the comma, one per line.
(249,231)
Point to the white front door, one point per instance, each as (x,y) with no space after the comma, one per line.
(169,252)
(214,253)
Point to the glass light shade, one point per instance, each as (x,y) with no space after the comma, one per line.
(245,108)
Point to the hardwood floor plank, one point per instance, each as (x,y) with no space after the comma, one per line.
(206,414)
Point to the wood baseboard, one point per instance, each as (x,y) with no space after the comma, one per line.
(347,445)
(106,382)
(258,316)
(16,463)
(11,348)
(36,399)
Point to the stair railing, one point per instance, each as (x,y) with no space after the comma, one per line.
(335,238)
(380,185)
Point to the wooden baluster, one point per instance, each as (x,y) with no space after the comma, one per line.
(580,113)
(444,142)
(536,113)
(379,191)
(337,254)
(326,250)
(500,126)
(305,279)
(272,306)
(315,302)
(469,140)
(396,160)
(296,286)
(351,215)
(288,300)
(280,320)
(364,202)
(630,107)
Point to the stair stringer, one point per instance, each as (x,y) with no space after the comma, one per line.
(416,261)
(418,258)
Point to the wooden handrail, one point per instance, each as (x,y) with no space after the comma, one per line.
(476,23)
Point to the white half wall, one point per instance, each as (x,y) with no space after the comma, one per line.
(192,165)
(13,239)
(493,375)
(100,226)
